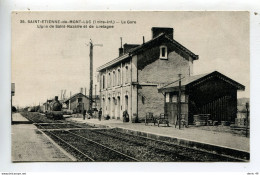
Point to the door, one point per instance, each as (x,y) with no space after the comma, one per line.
(118,107)
(126,103)
(171,110)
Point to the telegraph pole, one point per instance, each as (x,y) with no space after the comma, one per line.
(91,76)
(91,45)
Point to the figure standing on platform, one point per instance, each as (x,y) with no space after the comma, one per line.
(125,116)
(84,114)
(100,114)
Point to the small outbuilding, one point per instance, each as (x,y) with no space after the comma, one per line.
(79,102)
(213,93)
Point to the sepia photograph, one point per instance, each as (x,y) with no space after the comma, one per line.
(130,86)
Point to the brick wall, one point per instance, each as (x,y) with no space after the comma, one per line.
(149,100)
(153,69)
(74,102)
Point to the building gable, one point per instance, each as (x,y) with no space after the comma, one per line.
(198,80)
(75,97)
(156,41)
(152,68)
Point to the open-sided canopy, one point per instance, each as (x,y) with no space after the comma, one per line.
(192,81)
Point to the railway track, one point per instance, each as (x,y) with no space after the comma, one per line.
(157,150)
(180,152)
(87,143)
(82,148)
(170,148)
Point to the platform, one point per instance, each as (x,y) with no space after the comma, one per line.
(191,136)
(30,145)
(17,118)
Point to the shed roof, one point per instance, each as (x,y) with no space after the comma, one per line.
(73,96)
(197,79)
(145,46)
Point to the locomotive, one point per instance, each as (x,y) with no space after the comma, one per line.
(54,110)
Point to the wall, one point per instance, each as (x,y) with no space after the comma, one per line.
(117,101)
(149,100)
(113,97)
(153,69)
(144,67)
(74,102)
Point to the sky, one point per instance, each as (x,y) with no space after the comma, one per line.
(46,61)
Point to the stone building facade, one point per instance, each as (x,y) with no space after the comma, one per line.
(131,81)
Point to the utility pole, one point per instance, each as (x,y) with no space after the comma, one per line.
(91,76)
(179,102)
(91,45)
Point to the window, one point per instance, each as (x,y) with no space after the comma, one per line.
(103,82)
(119,77)
(167,97)
(109,80)
(126,74)
(174,99)
(114,78)
(100,83)
(163,52)
(182,97)
(79,100)
(123,76)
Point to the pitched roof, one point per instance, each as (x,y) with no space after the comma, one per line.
(197,79)
(94,96)
(146,45)
(75,96)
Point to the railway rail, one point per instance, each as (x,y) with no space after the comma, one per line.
(88,143)
(82,148)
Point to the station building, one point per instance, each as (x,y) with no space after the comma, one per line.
(131,81)
(79,102)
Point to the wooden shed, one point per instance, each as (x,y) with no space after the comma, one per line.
(212,93)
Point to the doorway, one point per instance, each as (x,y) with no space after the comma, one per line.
(118,107)
(126,103)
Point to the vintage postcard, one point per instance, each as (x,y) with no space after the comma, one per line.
(157,86)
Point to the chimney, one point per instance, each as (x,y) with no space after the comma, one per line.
(158,30)
(121,50)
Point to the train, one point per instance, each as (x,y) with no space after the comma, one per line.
(54,110)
